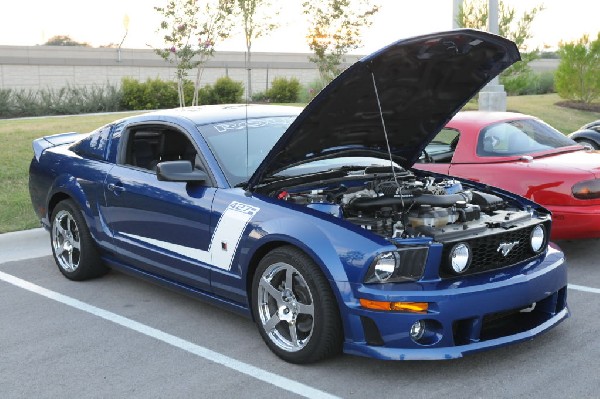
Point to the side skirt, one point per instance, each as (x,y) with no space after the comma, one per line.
(180,288)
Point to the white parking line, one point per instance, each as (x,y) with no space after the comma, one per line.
(244,368)
(583,288)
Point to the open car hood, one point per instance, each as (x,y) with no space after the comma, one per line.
(419,83)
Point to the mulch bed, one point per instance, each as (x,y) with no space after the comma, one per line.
(593,107)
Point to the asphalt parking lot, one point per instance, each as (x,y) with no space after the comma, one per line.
(121,337)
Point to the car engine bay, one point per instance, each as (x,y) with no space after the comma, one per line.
(403,205)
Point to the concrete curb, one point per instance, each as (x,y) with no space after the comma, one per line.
(26,244)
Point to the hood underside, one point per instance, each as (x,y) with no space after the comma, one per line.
(418,84)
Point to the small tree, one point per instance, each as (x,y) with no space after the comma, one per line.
(474,14)
(190,32)
(578,74)
(335,28)
(214,23)
(178,26)
(257,20)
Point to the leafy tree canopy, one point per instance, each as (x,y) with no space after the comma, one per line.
(474,14)
(64,40)
(335,28)
(578,74)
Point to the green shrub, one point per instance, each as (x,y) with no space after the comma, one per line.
(529,83)
(152,94)
(25,103)
(224,91)
(520,84)
(578,74)
(63,101)
(260,97)
(309,91)
(283,90)
(546,83)
(5,102)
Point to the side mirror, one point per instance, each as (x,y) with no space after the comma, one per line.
(181,171)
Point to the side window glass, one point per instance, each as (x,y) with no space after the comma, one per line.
(148,146)
(441,148)
(494,140)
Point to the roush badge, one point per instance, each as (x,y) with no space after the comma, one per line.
(505,247)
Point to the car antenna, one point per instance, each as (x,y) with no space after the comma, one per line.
(247,193)
(387,141)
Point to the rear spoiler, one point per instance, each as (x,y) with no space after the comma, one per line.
(43,143)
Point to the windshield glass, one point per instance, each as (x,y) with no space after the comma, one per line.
(240,146)
(517,137)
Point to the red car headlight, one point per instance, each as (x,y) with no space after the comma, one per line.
(588,189)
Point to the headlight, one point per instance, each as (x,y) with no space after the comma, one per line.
(589,189)
(404,264)
(460,257)
(385,266)
(537,238)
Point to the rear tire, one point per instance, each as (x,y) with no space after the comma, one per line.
(294,307)
(73,247)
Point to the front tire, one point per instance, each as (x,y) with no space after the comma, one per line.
(588,144)
(294,307)
(73,247)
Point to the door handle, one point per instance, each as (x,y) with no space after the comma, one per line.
(115,188)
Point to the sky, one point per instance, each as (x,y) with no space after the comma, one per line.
(33,22)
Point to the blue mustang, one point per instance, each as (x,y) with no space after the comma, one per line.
(312,223)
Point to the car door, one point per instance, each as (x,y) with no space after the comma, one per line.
(157,226)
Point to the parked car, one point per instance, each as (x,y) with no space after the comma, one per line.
(524,155)
(588,135)
(312,223)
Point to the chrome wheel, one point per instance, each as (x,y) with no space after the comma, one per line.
(66,241)
(285,307)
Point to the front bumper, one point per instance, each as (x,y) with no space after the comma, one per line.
(465,315)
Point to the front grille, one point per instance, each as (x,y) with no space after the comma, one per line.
(509,322)
(486,255)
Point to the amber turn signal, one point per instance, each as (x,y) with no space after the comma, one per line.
(412,307)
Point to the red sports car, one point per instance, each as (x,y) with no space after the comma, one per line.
(524,155)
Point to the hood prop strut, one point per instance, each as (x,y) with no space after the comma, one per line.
(387,141)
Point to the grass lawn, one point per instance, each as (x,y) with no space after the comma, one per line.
(566,120)
(16,135)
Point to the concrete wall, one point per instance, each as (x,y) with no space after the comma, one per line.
(35,67)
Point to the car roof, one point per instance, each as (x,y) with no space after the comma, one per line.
(483,118)
(205,114)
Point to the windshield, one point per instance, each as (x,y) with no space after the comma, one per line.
(517,137)
(240,145)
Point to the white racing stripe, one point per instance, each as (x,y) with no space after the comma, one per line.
(583,288)
(224,242)
(241,367)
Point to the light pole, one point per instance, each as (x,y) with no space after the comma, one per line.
(493,97)
(455,8)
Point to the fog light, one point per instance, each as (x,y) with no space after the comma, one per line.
(538,237)
(417,330)
(460,257)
